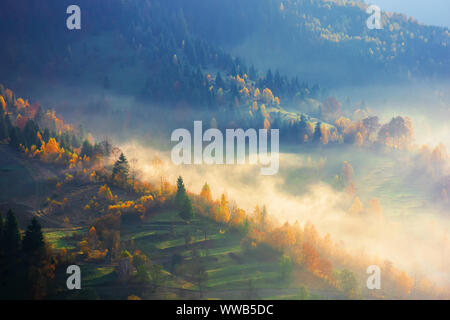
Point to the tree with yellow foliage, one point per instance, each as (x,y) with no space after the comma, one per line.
(238,218)
(223,210)
(268,96)
(105,193)
(2,103)
(257,94)
(266,123)
(206,192)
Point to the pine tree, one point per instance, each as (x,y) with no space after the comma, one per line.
(317,132)
(39,267)
(87,149)
(12,237)
(121,168)
(3,130)
(30,134)
(187,211)
(15,137)
(219,81)
(181,193)
(33,241)
(2,244)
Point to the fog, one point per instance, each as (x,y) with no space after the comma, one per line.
(417,243)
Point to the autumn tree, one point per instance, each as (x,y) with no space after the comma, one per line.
(206,192)
(223,210)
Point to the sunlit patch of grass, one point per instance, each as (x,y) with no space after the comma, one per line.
(61,238)
(93,276)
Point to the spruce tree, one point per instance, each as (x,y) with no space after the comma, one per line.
(181,193)
(317,133)
(121,168)
(87,149)
(2,244)
(3,130)
(11,234)
(187,211)
(33,241)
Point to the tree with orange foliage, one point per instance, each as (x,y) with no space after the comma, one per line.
(268,96)
(283,237)
(2,103)
(92,238)
(311,257)
(266,123)
(105,193)
(206,192)
(238,218)
(257,94)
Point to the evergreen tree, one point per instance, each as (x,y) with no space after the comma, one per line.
(121,168)
(8,124)
(219,81)
(30,134)
(2,244)
(317,132)
(87,149)
(33,241)
(3,130)
(46,135)
(187,211)
(15,137)
(75,142)
(38,263)
(181,193)
(12,237)
(12,276)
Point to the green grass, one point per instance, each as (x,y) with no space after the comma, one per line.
(62,238)
(230,271)
(93,275)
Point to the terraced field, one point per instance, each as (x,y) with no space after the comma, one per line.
(231,273)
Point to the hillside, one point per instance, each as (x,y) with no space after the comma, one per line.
(309,35)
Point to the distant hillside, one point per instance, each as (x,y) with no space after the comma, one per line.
(322,41)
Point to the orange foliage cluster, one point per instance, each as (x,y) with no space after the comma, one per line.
(51,152)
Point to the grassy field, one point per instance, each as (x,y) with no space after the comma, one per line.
(231,274)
